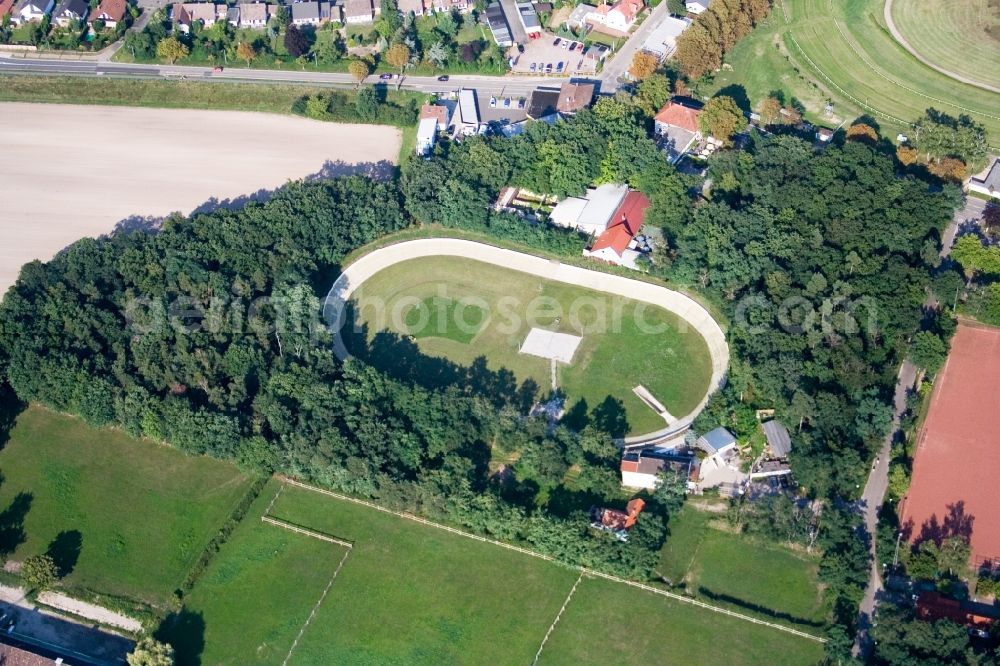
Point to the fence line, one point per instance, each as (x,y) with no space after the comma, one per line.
(302,530)
(556,621)
(583,570)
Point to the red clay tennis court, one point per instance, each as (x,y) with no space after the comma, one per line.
(956,468)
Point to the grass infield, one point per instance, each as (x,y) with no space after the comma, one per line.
(616,354)
(129,518)
(448,318)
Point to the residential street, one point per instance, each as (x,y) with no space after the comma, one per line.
(619,63)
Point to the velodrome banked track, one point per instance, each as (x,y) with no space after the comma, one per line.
(683,306)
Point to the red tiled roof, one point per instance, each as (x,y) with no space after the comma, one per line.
(438,113)
(5,7)
(630,465)
(630,9)
(113,9)
(626,222)
(934,606)
(679,115)
(12,656)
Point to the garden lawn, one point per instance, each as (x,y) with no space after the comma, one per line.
(141,513)
(614,356)
(610,623)
(814,51)
(962,36)
(253,599)
(743,573)
(413,594)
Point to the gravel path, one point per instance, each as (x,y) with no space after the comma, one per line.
(90,611)
(672,301)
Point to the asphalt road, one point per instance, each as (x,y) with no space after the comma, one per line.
(619,63)
(429,84)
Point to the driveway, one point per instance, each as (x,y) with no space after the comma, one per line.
(618,64)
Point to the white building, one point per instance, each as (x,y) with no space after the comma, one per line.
(988,184)
(426,133)
(663,40)
(697,6)
(591,213)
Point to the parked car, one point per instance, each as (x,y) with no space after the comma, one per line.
(386,77)
(493,102)
(556,42)
(565,45)
(443,77)
(533,67)
(506,103)
(579,47)
(559,67)
(548,68)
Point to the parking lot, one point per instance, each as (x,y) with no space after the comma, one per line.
(543,52)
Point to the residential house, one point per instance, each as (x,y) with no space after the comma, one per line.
(6,7)
(779,442)
(662,41)
(933,606)
(461,6)
(617,18)
(31,10)
(358,11)
(190,12)
(543,7)
(440,113)
(578,17)
(253,15)
(308,13)
(68,12)
(613,246)
(23,656)
(574,96)
(640,469)
(615,521)
(697,6)
(718,442)
(988,184)
(111,12)
(591,213)
(415,7)
(677,125)
(542,102)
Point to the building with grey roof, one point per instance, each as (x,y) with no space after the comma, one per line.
(990,183)
(778,439)
(717,441)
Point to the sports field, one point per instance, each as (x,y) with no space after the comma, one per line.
(742,573)
(128,518)
(461,309)
(815,51)
(252,601)
(962,36)
(946,498)
(413,594)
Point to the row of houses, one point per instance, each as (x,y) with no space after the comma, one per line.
(255,15)
(65,13)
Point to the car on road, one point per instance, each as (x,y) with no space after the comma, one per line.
(556,42)
(386,77)
(216,70)
(443,77)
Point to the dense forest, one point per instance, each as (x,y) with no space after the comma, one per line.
(208,334)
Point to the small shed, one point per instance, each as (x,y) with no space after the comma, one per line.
(717,441)
(778,439)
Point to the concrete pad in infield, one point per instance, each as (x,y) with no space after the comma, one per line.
(549,344)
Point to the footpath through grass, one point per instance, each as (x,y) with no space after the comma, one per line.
(252,601)
(617,351)
(815,51)
(746,574)
(126,518)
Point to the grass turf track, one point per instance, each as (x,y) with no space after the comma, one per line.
(954,34)
(255,596)
(142,512)
(610,623)
(818,50)
(411,594)
(674,365)
(742,573)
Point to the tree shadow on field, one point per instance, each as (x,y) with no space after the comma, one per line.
(185,631)
(65,551)
(739,95)
(10,407)
(400,357)
(609,417)
(956,523)
(576,417)
(12,532)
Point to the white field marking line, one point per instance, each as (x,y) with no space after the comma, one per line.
(907,88)
(556,621)
(305,626)
(547,558)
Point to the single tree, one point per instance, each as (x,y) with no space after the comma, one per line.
(721,118)
(398,55)
(360,70)
(297,42)
(151,652)
(40,571)
(171,48)
(862,132)
(245,51)
(643,64)
(437,54)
